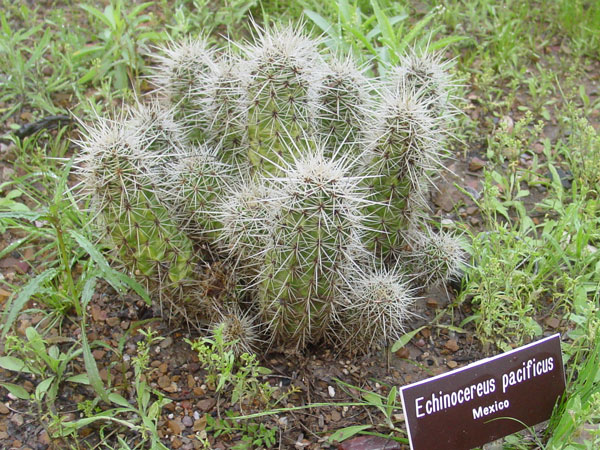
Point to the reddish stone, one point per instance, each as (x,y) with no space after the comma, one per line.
(476,164)
(369,443)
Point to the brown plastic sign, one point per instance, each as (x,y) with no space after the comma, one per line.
(486,400)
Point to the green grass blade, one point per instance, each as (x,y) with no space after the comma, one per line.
(321,22)
(387,32)
(414,31)
(97,14)
(344,433)
(13,246)
(445,42)
(91,368)
(28,290)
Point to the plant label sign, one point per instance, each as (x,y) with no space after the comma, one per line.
(486,400)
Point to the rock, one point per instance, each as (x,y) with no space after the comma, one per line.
(452,345)
(199,424)
(43,438)
(206,404)
(3,295)
(98,354)
(452,364)
(432,303)
(175,426)
(17,419)
(369,443)
(47,70)
(167,342)
(187,421)
(164,382)
(331,391)
(508,123)
(176,443)
(476,164)
(198,391)
(586,432)
(113,321)
(403,353)
(552,322)
(336,416)
(14,264)
(446,197)
(4,409)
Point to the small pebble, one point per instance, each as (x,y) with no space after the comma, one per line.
(476,164)
(187,421)
(166,342)
(331,391)
(17,419)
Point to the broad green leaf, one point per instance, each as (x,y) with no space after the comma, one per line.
(91,368)
(81,378)
(114,277)
(387,31)
(132,284)
(405,339)
(118,400)
(42,388)
(344,9)
(87,292)
(344,433)
(25,215)
(28,290)
(391,399)
(88,76)
(373,399)
(452,328)
(16,390)
(377,29)
(14,364)
(362,38)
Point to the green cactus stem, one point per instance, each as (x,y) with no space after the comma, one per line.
(317,221)
(282,82)
(344,104)
(403,148)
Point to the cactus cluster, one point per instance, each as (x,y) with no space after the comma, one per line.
(277,191)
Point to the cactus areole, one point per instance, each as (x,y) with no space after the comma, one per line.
(277,191)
